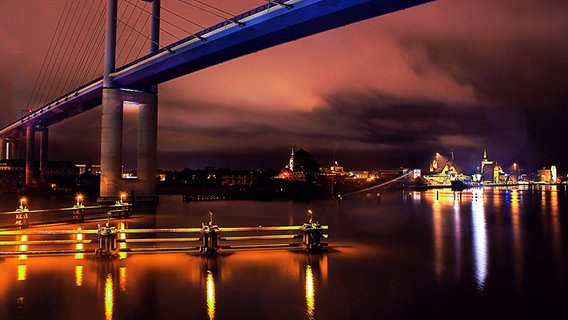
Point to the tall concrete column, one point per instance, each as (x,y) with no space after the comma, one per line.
(111,121)
(110,43)
(43,164)
(3,149)
(30,161)
(111,145)
(147,147)
(12,149)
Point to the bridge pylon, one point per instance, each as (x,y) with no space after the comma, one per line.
(144,188)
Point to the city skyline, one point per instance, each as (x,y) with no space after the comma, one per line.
(390,91)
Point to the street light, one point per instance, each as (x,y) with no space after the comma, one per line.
(122,196)
(79,199)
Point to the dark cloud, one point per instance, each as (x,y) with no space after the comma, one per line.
(391,91)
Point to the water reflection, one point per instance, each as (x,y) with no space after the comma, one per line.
(122,237)
(555,228)
(109,297)
(122,279)
(457,238)
(310,293)
(517,243)
(210,292)
(79,246)
(480,254)
(22,272)
(438,239)
(78,276)
(23,247)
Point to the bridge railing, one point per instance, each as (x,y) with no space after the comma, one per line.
(23,217)
(113,241)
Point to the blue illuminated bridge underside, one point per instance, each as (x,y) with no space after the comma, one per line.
(263,27)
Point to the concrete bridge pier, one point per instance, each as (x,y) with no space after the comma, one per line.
(147,148)
(43,164)
(30,161)
(111,145)
(31,174)
(11,149)
(144,188)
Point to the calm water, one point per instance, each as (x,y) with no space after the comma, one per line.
(487,253)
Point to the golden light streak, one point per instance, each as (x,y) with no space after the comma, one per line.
(22,268)
(122,279)
(457,239)
(78,276)
(517,239)
(109,297)
(122,236)
(23,247)
(556,226)
(210,295)
(310,293)
(438,239)
(79,246)
(480,247)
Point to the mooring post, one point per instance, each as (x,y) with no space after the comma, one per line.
(107,239)
(79,214)
(210,244)
(22,214)
(210,232)
(311,237)
(22,217)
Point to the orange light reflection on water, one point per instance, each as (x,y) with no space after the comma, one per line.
(210,282)
(23,247)
(109,297)
(122,279)
(438,239)
(517,240)
(310,293)
(480,254)
(122,245)
(79,246)
(22,270)
(78,276)
(556,230)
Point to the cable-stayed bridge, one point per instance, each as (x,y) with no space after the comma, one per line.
(270,24)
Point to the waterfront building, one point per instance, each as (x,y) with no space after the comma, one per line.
(243,178)
(491,171)
(547,175)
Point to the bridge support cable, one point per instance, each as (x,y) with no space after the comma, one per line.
(46,76)
(75,51)
(377,186)
(146,36)
(280,3)
(230,17)
(171,24)
(91,64)
(66,54)
(124,35)
(182,18)
(43,64)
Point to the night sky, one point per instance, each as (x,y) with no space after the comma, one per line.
(392,91)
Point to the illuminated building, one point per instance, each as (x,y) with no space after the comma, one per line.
(490,170)
(547,175)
